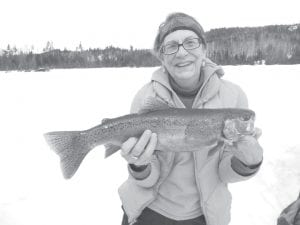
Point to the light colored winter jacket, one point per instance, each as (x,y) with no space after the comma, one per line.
(212,173)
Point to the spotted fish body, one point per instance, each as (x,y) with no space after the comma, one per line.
(183,129)
(177,130)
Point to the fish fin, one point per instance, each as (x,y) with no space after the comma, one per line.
(229,142)
(71,146)
(110,149)
(212,151)
(152,104)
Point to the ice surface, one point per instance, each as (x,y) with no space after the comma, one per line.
(33,191)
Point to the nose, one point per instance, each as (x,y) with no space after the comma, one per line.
(181,51)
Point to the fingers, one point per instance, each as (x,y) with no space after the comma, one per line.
(139,151)
(141,144)
(145,157)
(128,145)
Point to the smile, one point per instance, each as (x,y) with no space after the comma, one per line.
(183,64)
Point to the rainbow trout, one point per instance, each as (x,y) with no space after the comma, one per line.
(177,130)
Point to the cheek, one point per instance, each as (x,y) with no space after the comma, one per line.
(200,55)
(199,61)
(167,62)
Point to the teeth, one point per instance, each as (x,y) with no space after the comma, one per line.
(183,64)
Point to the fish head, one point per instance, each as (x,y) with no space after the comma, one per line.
(240,122)
(247,115)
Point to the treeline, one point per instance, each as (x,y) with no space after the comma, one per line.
(91,58)
(278,44)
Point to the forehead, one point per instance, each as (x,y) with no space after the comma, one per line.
(180,35)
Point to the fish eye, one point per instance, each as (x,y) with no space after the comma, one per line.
(245,118)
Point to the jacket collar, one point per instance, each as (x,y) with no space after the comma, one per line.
(209,89)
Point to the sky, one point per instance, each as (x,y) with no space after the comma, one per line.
(98,23)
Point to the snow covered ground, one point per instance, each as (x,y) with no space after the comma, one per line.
(33,191)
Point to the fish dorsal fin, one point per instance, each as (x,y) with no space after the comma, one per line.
(110,149)
(153,104)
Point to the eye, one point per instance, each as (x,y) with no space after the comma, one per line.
(170,46)
(190,42)
(245,118)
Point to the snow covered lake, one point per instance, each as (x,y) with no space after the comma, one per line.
(33,190)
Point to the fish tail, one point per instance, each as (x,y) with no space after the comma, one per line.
(71,146)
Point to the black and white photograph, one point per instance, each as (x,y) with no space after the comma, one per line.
(149,112)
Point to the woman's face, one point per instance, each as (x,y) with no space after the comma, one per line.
(184,64)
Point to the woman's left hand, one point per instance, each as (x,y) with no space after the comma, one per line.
(248,150)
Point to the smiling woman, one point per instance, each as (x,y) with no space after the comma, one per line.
(184,54)
(186,187)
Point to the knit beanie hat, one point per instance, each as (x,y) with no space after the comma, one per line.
(177,21)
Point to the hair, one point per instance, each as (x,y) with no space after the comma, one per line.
(176,21)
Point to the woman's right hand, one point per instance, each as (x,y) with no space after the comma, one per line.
(139,151)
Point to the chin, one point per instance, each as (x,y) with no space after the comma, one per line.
(185,75)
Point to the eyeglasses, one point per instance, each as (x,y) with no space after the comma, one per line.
(189,44)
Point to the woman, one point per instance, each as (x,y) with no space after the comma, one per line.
(185,188)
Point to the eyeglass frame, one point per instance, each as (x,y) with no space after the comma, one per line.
(179,45)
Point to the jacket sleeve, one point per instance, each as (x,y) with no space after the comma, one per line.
(152,176)
(139,172)
(231,168)
(243,169)
(147,176)
(230,173)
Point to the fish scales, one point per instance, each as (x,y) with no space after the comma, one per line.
(177,130)
(117,131)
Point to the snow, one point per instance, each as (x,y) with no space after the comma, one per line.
(33,190)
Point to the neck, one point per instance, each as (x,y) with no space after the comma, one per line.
(186,87)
